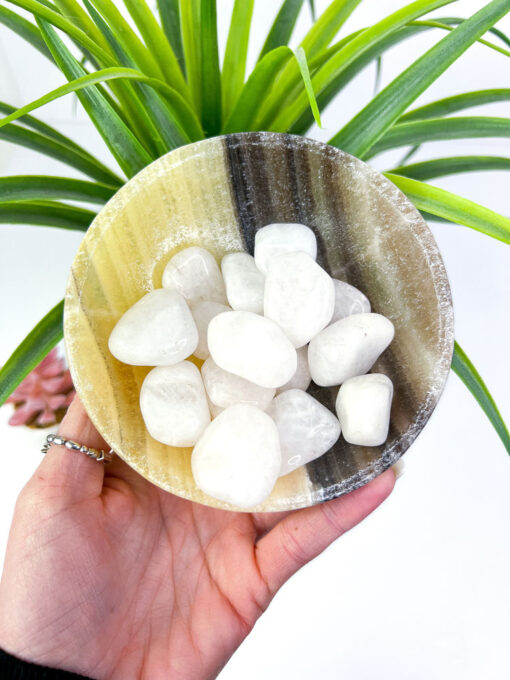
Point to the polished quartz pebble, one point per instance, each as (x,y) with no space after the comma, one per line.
(363,407)
(278,239)
(158,330)
(299,296)
(253,347)
(244,282)
(301,379)
(348,347)
(225,389)
(348,300)
(194,273)
(174,405)
(307,429)
(203,312)
(237,459)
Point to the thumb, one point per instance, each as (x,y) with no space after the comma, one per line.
(70,475)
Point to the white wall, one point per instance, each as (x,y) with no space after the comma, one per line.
(421,590)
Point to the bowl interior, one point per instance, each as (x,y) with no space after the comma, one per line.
(217,193)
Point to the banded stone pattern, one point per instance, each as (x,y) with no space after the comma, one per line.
(217,193)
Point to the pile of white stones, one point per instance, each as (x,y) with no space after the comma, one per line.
(265,326)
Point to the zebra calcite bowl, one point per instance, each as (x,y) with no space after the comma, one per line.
(217,193)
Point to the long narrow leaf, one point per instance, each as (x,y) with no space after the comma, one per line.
(127,150)
(56,19)
(459,102)
(282,27)
(305,74)
(210,92)
(170,15)
(435,23)
(463,367)
(454,208)
(234,63)
(437,129)
(160,48)
(73,11)
(327,26)
(103,76)
(346,75)
(45,214)
(31,351)
(24,29)
(370,124)
(190,28)
(47,130)
(351,51)
(454,21)
(43,187)
(439,167)
(142,57)
(259,83)
(15,134)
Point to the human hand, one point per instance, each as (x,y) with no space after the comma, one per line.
(109,576)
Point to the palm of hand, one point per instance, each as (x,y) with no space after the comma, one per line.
(128,581)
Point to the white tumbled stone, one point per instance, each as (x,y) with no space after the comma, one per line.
(213,409)
(253,347)
(348,347)
(307,429)
(237,459)
(203,312)
(280,238)
(194,273)
(244,282)
(158,330)
(301,379)
(363,406)
(348,300)
(174,405)
(225,389)
(299,296)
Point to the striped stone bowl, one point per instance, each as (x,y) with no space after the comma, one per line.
(216,194)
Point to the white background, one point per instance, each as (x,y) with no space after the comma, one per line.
(421,590)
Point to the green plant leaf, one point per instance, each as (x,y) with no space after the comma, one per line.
(129,40)
(15,134)
(439,167)
(47,130)
(173,97)
(370,124)
(234,62)
(378,75)
(351,51)
(74,12)
(327,26)
(170,16)
(346,75)
(453,21)
(24,29)
(462,366)
(43,187)
(314,43)
(438,24)
(210,80)
(448,105)
(282,27)
(436,129)
(160,48)
(76,34)
(190,29)
(454,208)
(127,150)
(311,5)
(45,214)
(305,74)
(260,82)
(31,351)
